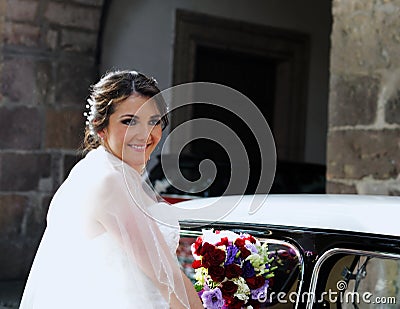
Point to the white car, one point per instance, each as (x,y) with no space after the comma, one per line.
(336,251)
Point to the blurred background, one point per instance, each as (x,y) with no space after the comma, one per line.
(325,74)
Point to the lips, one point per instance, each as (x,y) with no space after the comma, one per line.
(138,147)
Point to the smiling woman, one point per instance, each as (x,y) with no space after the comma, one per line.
(126,114)
(133,131)
(102,247)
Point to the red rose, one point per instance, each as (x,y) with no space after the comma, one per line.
(206,260)
(244,252)
(198,244)
(228,299)
(218,257)
(196,264)
(260,280)
(217,273)
(255,282)
(271,282)
(233,271)
(205,248)
(251,239)
(236,303)
(224,242)
(229,288)
(251,281)
(239,242)
(215,258)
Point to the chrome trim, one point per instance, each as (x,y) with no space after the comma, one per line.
(300,257)
(331,252)
(186,197)
(187,233)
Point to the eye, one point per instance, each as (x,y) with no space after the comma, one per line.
(155,122)
(129,121)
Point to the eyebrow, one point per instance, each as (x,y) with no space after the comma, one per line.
(128,115)
(136,117)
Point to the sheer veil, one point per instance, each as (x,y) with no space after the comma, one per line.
(105,245)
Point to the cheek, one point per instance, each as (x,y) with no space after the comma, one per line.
(121,134)
(156,134)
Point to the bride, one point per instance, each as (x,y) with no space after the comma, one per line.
(108,243)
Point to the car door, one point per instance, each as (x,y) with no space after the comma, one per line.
(356,270)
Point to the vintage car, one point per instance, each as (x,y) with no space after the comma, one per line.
(336,251)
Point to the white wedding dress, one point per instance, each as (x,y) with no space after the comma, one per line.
(102,247)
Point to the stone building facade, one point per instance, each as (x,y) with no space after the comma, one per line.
(48,57)
(47,60)
(363,150)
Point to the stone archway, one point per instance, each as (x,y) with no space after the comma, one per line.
(48,61)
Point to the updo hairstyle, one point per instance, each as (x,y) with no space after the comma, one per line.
(113,88)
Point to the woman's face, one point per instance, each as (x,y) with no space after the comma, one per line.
(133,131)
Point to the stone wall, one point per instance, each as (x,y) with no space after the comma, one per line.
(48,60)
(364,103)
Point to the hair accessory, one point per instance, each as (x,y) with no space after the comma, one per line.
(90,115)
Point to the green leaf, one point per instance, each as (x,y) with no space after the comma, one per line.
(198,287)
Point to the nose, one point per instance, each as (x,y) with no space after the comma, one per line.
(143,132)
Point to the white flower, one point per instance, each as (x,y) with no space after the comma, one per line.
(212,238)
(199,275)
(243,289)
(196,257)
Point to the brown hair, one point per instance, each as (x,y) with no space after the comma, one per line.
(111,89)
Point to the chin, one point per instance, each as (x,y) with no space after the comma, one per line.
(136,162)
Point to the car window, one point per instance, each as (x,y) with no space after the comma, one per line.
(288,275)
(355,280)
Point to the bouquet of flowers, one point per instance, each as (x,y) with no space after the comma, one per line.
(231,270)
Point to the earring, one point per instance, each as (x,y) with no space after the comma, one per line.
(101,136)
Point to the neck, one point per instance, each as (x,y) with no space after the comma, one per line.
(140,168)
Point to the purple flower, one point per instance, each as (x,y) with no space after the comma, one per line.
(251,247)
(248,269)
(200,293)
(231,255)
(260,293)
(212,299)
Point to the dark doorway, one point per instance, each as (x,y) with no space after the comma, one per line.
(266,64)
(252,75)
